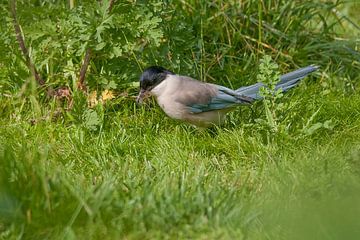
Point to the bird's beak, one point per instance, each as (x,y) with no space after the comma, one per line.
(142,94)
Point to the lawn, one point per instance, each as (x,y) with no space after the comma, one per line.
(121,171)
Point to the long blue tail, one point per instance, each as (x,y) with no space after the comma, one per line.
(287,81)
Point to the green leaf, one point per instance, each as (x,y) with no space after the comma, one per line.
(311,130)
(328,124)
(91,119)
(100,46)
(117,51)
(111,85)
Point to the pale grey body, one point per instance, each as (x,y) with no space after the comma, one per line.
(176,93)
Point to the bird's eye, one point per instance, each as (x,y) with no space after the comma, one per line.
(145,84)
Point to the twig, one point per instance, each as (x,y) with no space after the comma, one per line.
(81,84)
(22,45)
(111,5)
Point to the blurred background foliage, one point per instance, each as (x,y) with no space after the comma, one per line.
(216,41)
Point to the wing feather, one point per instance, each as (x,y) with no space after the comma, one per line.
(204,97)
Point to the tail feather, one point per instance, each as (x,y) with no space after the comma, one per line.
(298,74)
(287,81)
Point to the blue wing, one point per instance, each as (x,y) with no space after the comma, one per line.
(225,98)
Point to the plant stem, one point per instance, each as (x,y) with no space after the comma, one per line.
(111,5)
(260,22)
(81,84)
(21,41)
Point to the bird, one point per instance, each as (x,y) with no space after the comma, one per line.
(204,104)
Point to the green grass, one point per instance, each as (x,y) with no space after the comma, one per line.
(145,176)
(120,171)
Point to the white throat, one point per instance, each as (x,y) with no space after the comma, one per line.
(167,86)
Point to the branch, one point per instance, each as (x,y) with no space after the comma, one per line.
(21,41)
(81,84)
(111,5)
